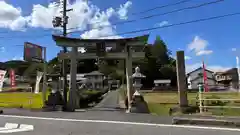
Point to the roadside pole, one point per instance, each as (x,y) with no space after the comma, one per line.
(64,62)
(44,89)
(238,72)
(62,22)
(200,87)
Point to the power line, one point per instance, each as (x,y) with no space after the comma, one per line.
(167,26)
(199,20)
(158,7)
(143,18)
(151,16)
(176,24)
(147,17)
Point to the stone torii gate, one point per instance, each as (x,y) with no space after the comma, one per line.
(129,48)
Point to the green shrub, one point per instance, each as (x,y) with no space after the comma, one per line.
(91,92)
(215,102)
(90,96)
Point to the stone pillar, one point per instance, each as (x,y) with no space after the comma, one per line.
(72,104)
(181,79)
(128,61)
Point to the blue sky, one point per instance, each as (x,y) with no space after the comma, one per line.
(212,40)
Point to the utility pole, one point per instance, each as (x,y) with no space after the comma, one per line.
(238,71)
(62,22)
(64,62)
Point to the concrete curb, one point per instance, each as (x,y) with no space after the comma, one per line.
(206,121)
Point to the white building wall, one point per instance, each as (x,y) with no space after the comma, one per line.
(194,84)
(195,74)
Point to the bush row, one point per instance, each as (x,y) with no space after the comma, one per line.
(90,97)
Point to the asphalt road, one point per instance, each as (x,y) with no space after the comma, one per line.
(99,121)
(55,126)
(94,115)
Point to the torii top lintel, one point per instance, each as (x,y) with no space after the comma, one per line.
(77,42)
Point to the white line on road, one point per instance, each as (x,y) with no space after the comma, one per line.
(22,128)
(9,126)
(121,122)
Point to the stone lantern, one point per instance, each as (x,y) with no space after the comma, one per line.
(138,104)
(137,78)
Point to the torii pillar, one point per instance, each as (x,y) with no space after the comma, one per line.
(128,44)
(73,99)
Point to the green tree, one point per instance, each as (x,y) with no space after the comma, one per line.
(157,63)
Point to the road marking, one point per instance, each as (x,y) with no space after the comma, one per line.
(22,128)
(13,128)
(9,126)
(121,122)
(199,119)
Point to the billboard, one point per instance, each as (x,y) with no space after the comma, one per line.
(32,52)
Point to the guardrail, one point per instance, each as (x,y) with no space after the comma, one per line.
(202,99)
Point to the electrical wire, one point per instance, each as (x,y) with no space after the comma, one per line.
(159,7)
(166,26)
(175,24)
(146,17)
(150,16)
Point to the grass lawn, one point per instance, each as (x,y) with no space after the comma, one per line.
(21,99)
(160,102)
(28,100)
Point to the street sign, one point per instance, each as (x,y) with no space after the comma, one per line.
(32,52)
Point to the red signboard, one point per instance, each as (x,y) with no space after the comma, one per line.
(12,78)
(32,52)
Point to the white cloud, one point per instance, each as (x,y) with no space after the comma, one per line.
(191,67)
(19,24)
(214,68)
(218,68)
(105,32)
(204,52)
(199,45)
(17,58)
(10,17)
(163,23)
(42,16)
(123,10)
(2,49)
(84,16)
(234,49)
(187,57)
